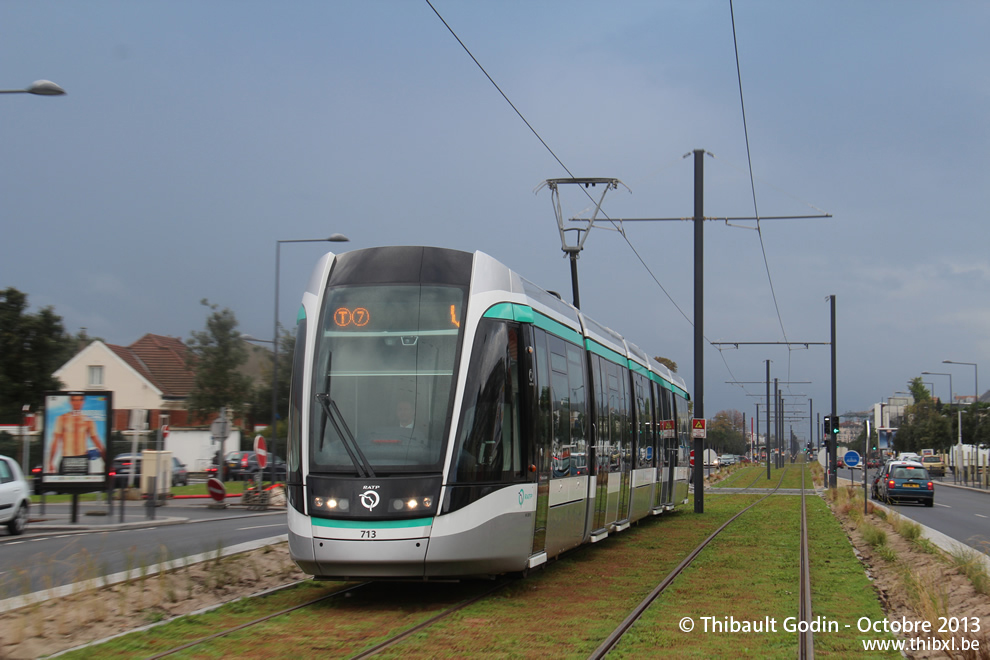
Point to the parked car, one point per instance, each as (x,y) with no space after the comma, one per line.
(121,469)
(243,465)
(900,481)
(36,480)
(934,464)
(180,476)
(15,496)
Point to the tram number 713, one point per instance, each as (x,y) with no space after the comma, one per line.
(368,533)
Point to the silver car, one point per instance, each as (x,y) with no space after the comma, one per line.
(15,496)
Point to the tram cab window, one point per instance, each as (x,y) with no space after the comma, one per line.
(489,444)
(381,348)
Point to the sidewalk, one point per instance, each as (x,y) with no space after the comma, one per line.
(96,515)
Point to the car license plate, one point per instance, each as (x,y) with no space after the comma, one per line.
(910,485)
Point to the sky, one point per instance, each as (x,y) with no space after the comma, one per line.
(195,135)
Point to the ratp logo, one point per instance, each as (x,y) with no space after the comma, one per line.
(369,499)
(523,496)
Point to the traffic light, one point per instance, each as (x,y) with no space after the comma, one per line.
(835,425)
(827,425)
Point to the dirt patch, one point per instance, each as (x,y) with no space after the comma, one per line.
(915,585)
(56,625)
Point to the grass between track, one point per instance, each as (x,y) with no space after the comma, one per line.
(566,610)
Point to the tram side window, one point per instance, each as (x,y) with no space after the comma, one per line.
(568,392)
(577,396)
(683,429)
(544,414)
(488,447)
(294,448)
(664,412)
(644,422)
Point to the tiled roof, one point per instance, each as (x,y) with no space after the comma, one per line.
(162,360)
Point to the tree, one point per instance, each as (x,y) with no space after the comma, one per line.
(32,347)
(215,355)
(667,362)
(725,433)
(261,407)
(918,390)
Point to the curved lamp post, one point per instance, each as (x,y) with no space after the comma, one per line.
(38,88)
(976,377)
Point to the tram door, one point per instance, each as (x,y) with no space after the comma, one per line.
(668,445)
(538,378)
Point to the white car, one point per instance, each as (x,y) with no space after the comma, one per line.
(15,496)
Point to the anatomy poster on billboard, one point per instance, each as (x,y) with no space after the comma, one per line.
(77,429)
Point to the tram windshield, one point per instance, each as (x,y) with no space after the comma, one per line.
(383,378)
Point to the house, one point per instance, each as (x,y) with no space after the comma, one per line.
(152,375)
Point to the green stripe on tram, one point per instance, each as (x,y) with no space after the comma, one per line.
(526,314)
(372,524)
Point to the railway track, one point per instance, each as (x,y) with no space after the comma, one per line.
(394,601)
(806,638)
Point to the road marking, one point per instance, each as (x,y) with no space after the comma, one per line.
(261,526)
(946,506)
(980,515)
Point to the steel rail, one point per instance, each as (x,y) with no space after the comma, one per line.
(613,639)
(806,638)
(377,648)
(255,622)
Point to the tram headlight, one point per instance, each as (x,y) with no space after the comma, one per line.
(331,504)
(411,503)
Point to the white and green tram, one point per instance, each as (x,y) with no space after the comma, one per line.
(450,419)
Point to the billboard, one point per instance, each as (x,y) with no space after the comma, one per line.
(77,431)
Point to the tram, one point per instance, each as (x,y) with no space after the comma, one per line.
(450,419)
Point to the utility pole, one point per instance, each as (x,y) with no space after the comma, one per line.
(768,420)
(833,452)
(699,328)
(699,324)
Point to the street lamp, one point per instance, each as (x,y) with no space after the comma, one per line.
(935,373)
(333,238)
(38,88)
(976,377)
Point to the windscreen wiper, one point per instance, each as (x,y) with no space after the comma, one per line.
(351,446)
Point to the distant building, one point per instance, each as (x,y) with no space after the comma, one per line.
(151,374)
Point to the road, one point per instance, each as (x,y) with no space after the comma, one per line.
(959,513)
(53,554)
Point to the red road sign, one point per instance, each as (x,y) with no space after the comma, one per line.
(261,451)
(164,430)
(216,489)
(692,458)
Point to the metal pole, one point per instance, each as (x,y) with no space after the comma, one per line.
(699,324)
(832,450)
(334,238)
(278,246)
(866,452)
(768,420)
(811,424)
(25,452)
(575,292)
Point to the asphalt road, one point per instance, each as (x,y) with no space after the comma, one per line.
(960,513)
(54,552)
